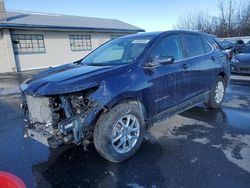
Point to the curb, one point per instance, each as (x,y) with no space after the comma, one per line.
(240,80)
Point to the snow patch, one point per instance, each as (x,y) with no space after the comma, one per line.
(242,141)
(201,140)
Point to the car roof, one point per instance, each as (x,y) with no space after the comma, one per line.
(158,33)
(144,34)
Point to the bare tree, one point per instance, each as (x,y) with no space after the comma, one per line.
(243,17)
(197,21)
(233,19)
(227,14)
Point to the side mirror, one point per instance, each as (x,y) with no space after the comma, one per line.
(159,60)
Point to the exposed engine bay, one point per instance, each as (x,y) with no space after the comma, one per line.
(63,119)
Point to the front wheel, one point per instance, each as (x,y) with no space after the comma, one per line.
(217,93)
(119,132)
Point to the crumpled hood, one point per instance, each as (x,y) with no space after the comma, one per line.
(65,79)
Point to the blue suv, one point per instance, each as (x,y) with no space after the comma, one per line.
(117,92)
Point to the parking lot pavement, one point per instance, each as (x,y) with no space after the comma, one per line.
(198,148)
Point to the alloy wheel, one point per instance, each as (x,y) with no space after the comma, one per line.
(125,134)
(219,92)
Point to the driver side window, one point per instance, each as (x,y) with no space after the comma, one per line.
(168,47)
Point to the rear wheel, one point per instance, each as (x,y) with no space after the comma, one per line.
(119,132)
(217,93)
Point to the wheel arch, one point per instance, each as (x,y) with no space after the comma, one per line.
(130,100)
(224,76)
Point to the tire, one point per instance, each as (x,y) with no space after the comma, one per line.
(217,93)
(111,125)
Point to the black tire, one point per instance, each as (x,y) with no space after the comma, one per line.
(212,103)
(104,127)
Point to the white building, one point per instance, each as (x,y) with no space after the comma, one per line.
(36,40)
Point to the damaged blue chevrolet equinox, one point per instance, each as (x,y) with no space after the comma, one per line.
(116,93)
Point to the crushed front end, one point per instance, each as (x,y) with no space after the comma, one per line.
(60,119)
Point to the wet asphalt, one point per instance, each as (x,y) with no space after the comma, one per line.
(198,148)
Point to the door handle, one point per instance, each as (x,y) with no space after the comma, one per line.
(185,66)
(213,58)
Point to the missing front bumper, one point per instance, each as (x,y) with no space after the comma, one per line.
(44,138)
(71,127)
(71,130)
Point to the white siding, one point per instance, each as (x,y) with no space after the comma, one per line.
(7,60)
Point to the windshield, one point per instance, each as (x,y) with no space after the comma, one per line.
(118,51)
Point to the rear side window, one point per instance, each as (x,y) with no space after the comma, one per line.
(193,45)
(169,46)
(206,46)
(214,41)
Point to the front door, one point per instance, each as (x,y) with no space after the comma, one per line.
(168,84)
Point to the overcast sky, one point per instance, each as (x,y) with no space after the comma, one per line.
(151,15)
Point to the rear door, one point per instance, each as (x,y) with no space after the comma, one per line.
(200,63)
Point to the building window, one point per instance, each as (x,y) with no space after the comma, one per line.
(115,36)
(80,42)
(28,43)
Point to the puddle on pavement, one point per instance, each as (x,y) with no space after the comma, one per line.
(238,120)
(226,129)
